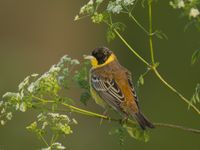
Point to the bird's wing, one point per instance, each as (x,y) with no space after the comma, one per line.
(129,76)
(108,90)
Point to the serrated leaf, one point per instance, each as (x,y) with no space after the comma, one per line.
(161,35)
(195,97)
(195,56)
(137,133)
(110,35)
(118,26)
(141,80)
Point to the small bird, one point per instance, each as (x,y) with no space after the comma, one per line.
(111,84)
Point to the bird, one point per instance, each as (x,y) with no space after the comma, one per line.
(111,84)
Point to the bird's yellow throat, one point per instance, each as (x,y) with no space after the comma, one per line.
(95,64)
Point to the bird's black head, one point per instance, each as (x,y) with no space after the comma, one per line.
(101,54)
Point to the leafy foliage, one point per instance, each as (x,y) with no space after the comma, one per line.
(34,92)
(195,56)
(136,133)
(196,96)
(102,13)
(43,93)
(189,8)
(81,77)
(133,131)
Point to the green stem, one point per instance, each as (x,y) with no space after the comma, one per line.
(126,43)
(175,91)
(43,139)
(177,127)
(150,34)
(85,112)
(131,122)
(74,109)
(138,23)
(53,139)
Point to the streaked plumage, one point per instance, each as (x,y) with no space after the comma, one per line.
(112,83)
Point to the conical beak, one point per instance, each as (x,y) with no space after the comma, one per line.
(88,57)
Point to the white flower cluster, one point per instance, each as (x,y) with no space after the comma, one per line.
(194,12)
(5,113)
(57,146)
(185,4)
(117,6)
(177,4)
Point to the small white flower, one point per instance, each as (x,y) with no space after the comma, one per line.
(90,2)
(9,116)
(34,75)
(64,116)
(76,18)
(99,1)
(58,146)
(22,107)
(17,106)
(3,111)
(74,121)
(117,9)
(128,2)
(118,1)
(54,115)
(44,125)
(75,62)
(194,12)
(82,10)
(54,69)
(114,8)
(181,4)
(31,87)
(1,103)
(3,122)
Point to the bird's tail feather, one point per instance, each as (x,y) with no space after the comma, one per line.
(142,120)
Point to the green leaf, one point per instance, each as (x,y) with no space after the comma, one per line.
(137,133)
(11,95)
(195,97)
(120,132)
(195,56)
(118,26)
(115,26)
(141,80)
(161,35)
(32,126)
(110,35)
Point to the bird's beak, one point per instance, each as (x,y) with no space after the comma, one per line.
(88,57)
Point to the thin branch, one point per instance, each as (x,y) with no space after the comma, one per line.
(150,33)
(126,43)
(177,127)
(138,23)
(131,122)
(175,91)
(43,139)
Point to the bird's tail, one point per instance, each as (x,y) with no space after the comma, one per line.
(142,120)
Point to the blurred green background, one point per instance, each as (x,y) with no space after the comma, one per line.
(35,34)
